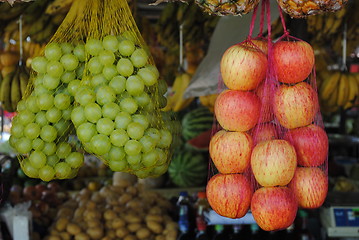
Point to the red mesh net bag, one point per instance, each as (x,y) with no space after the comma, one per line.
(270,154)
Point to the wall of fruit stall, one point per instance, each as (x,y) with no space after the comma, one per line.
(179,36)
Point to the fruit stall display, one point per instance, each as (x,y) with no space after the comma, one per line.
(110,96)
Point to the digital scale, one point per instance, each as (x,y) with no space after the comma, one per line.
(339,214)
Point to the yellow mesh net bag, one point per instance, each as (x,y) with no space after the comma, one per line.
(97,80)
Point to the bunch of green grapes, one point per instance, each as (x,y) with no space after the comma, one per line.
(40,131)
(118,115)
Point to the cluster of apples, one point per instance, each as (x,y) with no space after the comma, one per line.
(271,153)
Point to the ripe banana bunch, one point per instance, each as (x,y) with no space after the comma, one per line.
(175,101)
(339,90)
(208,101)
(13,87)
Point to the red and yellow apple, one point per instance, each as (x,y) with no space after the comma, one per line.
(243,67)
(295,106)
(273,162)
(261,44)
(310,186)
(229,195)
(310,143)
(237,110)
(263,132)
(293,61)
(274,208)
(231,151)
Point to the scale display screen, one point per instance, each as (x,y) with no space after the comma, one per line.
(346,217)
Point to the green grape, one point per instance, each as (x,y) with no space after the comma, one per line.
(80,70)
(40,89)
(85,95)
(122,120)
(147,143)
(63,150)
(38,64)
(69,62)
(98,80)
(105,126)
(32,130)
(29,170)
(38,144)
(119,137)
(106,57)
(54,69)
(134,159)
(116,154)
(142,119)
(105,94)
(135,130)
(154,69)
(50,82)
(143,99)
(127,35)
(17,130)
(31,104)
(49,148)
(86,131)
(110,43)
(23,145)
(66,113)
(21,105)
(93,46)
(75,159)
(150,107)
(135,85)
(93,112)
(117,166)
(53,115)
(12,141)
(150,158)
(126,47)
(100,144)
(68,76)
(139,58)
(149,78)
(37,159)
(159,170)
(162,101)
(41,119)
(62,126)
(53,51)
(73,173)
(154,134)
(143,173)
(124,67)
(48,133)
(63,170)
(109,72)
(129,105)
(38,80)
(62,101)
(110,110)
(132,147)
(162,156)
(162,87)
(118,84)
(52,160)
(86,81)
(66,47)
(47,173)
(79,52)
(136,167)
(166,139)
(45,101)
(78,115)
(25,117)
(73,87)
(94,65)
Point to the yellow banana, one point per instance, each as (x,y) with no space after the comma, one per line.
(24,80)
(332,101)
(5,92)
(353,87)
(175,101)
(15,89)
(208,101)
(329,85)
(343,90)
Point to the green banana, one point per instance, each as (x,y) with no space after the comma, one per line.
(15,89)
(24,80)
(5,92)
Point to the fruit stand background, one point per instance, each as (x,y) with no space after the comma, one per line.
(191,93)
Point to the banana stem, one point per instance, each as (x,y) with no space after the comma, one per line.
(344,52)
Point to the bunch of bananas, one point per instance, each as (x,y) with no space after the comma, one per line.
(208,101)
(13,87)
(339,90)
(175,100)
(40,19)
